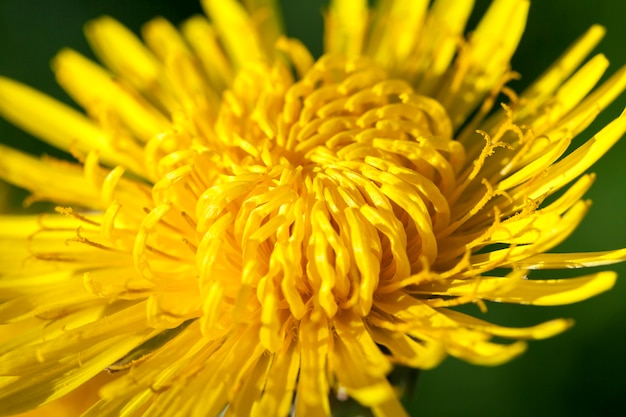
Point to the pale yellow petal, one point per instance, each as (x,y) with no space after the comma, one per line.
(529,291)
(407,351)
(395,31)
(573,260)
(51,382)
(54,180)
(569,95)
(123,52)
(465,345)
(544,86)
(585,113)
(345,27)
(485,60)
(203,39)
(313,385)
(237,31)
(277,397)
(197,99)
(578,161)
(360,366)
(547,239)
(268,20)
(98,91)
(438,44)
(60,125)
(540,331)
(48,353)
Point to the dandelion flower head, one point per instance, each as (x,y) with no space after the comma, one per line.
(246,229)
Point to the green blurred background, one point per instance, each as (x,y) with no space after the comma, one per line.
(579,373)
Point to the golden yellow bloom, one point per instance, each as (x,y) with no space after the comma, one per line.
(247,228)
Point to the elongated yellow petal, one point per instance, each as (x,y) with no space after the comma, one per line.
(58,124)
(313,387)
(236,31)
(573,260)
(203,39)
(540,331)
(571,93)
(267,16)
(345,26)
(546,158)
(57,299)
(582,116)
(52,383)
(485,60)
(578,161)
(526,291)
(97,91)
(408,352)
(365,383)
(395,31)
(53,351)
(123,52)
(48,179)
(547,83)
(278,394)
(478,352)
(438,44)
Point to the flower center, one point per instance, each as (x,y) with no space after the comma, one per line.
(327,190)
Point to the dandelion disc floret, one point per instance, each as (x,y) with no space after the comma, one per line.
(249,230)
(332,190)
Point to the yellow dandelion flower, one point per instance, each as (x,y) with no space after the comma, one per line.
(247,230)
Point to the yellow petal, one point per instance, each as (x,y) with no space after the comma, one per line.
(65,296)
(189,87)
(345,27)
(163,38)
(540,331)
(48,383)
(250,390)
(578,161)
(277,397)
(98,91)
(585,113)
(544,86)
(204,41)
(266,14)
(464,345)
(528,291)
(313,386)
(407,351)
(483,63)
(49,353)
(360,366)
(58,124)
(395,31)
(57,181)
(298,54)
(573,260)
(123,52)
(438,44)
(546,239)
(236,30)
(569,95)
(533,166)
